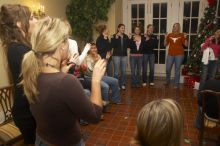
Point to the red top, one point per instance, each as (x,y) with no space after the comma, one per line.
(215,47)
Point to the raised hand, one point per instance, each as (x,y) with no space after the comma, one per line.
(99,70)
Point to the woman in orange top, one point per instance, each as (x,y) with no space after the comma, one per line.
(175,40)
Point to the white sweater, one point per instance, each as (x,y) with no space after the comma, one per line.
(73,47)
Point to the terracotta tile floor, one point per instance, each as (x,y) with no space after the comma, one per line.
(118,125)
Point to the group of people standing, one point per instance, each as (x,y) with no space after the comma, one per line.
(48,101)
(141,53)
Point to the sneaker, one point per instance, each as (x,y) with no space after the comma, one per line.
(138,86)
(151,84)
(144,84)
(123,87)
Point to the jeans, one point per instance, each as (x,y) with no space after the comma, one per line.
(136,63)
(151,59)
(178,61)
(113,83)
(119,63)
(109,69)
(39,142)
(208,72)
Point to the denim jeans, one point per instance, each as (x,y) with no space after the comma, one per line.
(113,83)
(39,142)
(178,61)
(120,63)
(136,63)
(109,69)
(151,59)
(208,72)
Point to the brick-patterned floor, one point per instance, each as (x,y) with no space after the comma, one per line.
(118,126)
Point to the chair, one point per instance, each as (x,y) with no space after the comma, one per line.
(9,133)
(209,124)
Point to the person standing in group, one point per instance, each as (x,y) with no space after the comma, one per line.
(120,43)
(136,56)
(150,43)
(211,52)
(56,98)
(176,41)
(104,46)
(16,24)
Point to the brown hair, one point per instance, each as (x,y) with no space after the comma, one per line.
(9,32)
(160,123)
(101,28)
(149,25)
(120,25)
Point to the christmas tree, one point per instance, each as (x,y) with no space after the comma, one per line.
(208,25)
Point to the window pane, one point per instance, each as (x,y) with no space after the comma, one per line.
(133,24)
(134,11)
(194,25)
(162,57)
(162,42)
(163,11)
(219,8)
(141,25)
(187,6)
(156,56)
(186,25)
(192,39)
(195,9)
(163,25)
(156,10)
(185,57)
(141,10)
(156,25)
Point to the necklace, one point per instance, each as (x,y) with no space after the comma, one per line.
(52,66)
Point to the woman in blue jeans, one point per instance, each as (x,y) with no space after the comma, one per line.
(119,43)
(176,41)
(136,55)
(150,42)
(106,81)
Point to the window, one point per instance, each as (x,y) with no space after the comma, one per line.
(160,28)
(190,24)
(138,16)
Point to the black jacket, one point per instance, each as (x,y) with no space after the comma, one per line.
(150,44)
(133,47)
(120,45)
(103,45)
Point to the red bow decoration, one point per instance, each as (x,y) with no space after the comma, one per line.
(212,2)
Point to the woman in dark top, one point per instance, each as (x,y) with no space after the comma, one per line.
(56,98)
(104,46)
(120,44)
(16,24)
(150,43)
(136,56)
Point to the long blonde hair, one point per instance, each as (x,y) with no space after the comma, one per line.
(47,35)
(160,123)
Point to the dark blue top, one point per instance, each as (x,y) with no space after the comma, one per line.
(120,45)
(150,45)
(15,55)
(103,45)
(133,46)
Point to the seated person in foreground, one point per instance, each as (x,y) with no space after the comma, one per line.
(160,123)
(107,81)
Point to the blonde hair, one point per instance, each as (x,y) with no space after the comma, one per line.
(47,35)
(160,123)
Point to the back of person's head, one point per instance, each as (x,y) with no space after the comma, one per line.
(46,37)
(10,16)
(160,123)
(101,28)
